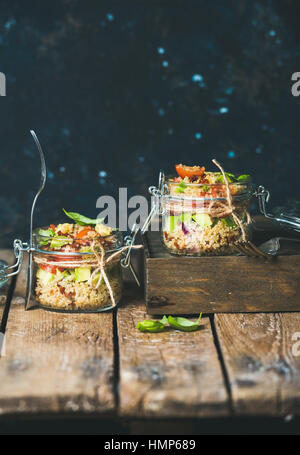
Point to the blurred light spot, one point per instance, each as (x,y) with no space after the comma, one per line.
(50,175)
(165,63)
(272,33)
(160,50)
(231,154)
(102,181)
(110,17)
(28,152)
(141,159)
(102,174)
(229,90)
(62,169)
(259,149)
(10,23)
(198,135)
(170,131)
(65,131)
(278,41)
(197,78)
(161,112)
(223,110)
(221,100)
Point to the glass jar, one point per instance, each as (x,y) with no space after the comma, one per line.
(205,219)
(85,277)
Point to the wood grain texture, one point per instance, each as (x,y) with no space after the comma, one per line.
(171,374)
(218,284)
(8,256)
(262,364)
(56,362)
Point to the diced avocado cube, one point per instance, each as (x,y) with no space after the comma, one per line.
(44,276)
(82,274)
(180,188)
(203,219)
(171,222)
(185,217)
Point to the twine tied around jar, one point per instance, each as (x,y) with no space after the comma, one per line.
(221,210)
(102,262)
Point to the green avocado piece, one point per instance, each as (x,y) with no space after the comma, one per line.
(180,188)
(82,274)
(203,219)
(44,276)
(229,222)
(171,222)
(185,217)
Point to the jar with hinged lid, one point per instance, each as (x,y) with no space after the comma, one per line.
(203,219)
(76,269)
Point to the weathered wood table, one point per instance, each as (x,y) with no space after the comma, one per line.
(99,366)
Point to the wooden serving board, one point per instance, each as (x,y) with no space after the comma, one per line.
(222,284)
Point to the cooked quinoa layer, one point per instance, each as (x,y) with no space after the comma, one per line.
(62,294)
(197,241)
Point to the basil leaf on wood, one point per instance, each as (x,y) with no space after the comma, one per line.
(82,220)
(184,324)
(149,325)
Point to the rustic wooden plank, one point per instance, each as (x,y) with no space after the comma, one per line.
(262,364)
(219,283)
(56,362)
(170,374)
(8,256)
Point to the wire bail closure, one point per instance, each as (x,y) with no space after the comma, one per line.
(19,248)
(157,193)
(291,222)
(126,254)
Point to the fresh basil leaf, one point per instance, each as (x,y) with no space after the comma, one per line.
(60,241)
(46,232)
(184,324)
(230,177)
(229,222)
(82,220)
(243,177)
(150,326)
(164,320)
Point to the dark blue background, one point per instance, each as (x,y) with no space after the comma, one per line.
(129,87)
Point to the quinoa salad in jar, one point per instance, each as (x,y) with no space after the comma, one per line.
(205,213)
(77,265)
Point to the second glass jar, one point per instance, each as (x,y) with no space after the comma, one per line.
(198,219)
